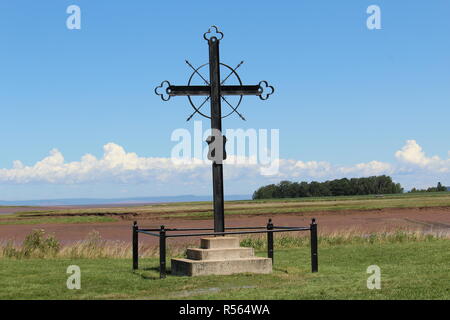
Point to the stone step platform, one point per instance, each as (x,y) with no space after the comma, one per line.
(220,256)
(219,242)
(188,267)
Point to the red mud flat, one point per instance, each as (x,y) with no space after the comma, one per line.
(424,219)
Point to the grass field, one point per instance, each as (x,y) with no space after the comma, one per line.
(202,210)
(409,270)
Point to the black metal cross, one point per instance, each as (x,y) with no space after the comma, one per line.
(215,90)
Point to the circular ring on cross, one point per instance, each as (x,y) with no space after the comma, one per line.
(234,106)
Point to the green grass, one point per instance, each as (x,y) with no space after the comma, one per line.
(409,270)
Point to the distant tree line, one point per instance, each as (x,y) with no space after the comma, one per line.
(339,187)
(438,188)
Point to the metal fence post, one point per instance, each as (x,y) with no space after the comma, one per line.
(270,240)
(162,253)
(314,253)
(135,241)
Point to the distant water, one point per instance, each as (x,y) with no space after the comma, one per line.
(123,201)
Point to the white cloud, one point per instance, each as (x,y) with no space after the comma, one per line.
(371,168)
(414,168)
(116,165)
(412,155)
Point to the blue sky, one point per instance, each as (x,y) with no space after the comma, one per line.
(344,94)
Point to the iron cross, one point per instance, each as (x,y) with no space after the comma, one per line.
(215,90)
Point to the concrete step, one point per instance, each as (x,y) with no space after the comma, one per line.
(219,242)
(219,254)
(188,267)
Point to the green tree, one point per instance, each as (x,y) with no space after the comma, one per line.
(338,187)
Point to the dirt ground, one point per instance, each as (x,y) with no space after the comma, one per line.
(424,219)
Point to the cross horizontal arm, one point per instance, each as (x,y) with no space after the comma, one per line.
(205,90)
(240,90)
(188,90)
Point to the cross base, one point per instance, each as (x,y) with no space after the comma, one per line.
(220,256)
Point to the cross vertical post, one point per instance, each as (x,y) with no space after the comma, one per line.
(216,126)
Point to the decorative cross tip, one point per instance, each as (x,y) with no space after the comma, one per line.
(265,90)
(163,90)
(210,34)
